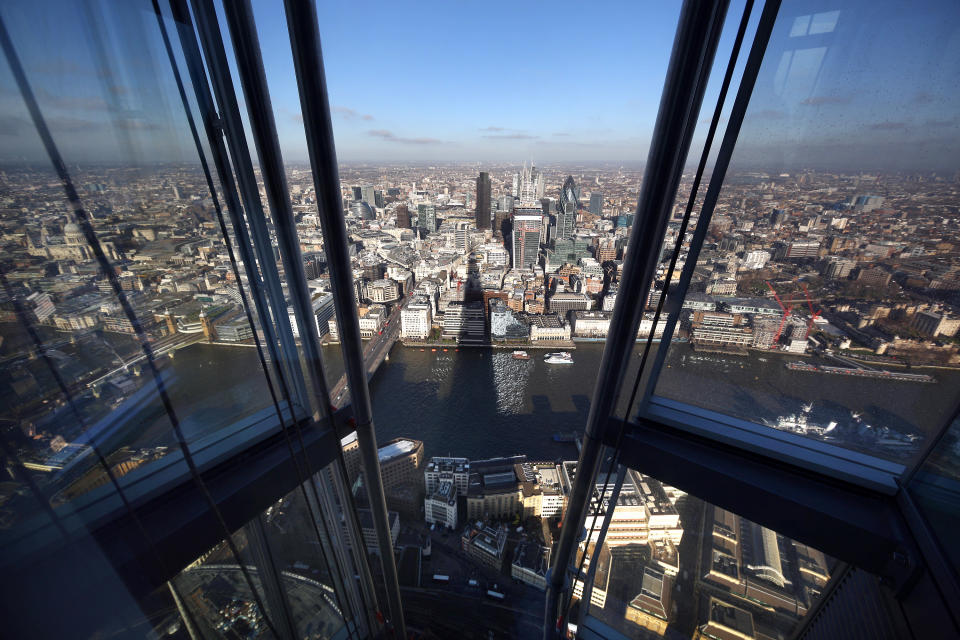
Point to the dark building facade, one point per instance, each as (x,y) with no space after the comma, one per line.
(483,201)
(403,217)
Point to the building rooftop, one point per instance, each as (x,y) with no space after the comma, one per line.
(396,449)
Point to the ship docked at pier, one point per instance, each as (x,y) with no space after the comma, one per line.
(861,372)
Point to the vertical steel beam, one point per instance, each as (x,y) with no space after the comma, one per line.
(674,301)
(315,106)
(695,44)
(253,78)
(223,88)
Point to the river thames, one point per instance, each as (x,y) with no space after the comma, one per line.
(479,403)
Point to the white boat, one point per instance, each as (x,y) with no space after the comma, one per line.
(800,425)
(521,355)
(559,357)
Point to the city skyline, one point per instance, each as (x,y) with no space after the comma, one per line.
(485,371)
(808,108)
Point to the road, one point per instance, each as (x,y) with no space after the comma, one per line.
(457,609)
(374,352)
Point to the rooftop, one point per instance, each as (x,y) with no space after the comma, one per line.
(396,449)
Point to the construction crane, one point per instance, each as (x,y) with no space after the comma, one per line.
(813,314)
(783,318)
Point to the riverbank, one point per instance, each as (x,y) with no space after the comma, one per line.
(512,346)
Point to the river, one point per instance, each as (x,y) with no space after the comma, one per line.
(479,403)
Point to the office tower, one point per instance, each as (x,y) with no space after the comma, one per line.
(427,217)
(596,203)
(455,470)
(483,201)
(505,203)
(378,199)
(867,203)
(363,210)
(403,216)
(415,319)
(567,208)
(606,250)
(461,237)
(357,193)
(526,239)
(777,218)
(368,195)
(528,185)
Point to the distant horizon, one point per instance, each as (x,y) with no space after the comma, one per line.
(868,87)
(485,166)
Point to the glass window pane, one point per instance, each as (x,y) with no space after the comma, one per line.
(822,302)
(936,490)
(77,393)
(288,566)
(672,565)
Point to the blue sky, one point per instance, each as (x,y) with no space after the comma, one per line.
(845,85)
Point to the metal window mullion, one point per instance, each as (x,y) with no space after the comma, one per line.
(749,78)
(601,538)
(358,545)
(270,579)
(304,34)
(212,127)
(253,79)
(695,44)
(327,511)
(225,92)
(691,200)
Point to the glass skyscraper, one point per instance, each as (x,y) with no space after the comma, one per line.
(567,207)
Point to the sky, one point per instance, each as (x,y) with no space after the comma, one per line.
(852,85)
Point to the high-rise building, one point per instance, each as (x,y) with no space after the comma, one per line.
(483,201)
(357,193)
(567,208)
(528,185)
(596,203)
(427,217)
(378,199)
(368,194)
(606,250)
(526,239)
(403,216)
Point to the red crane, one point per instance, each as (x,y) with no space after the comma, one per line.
(813,314)
(783,319)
